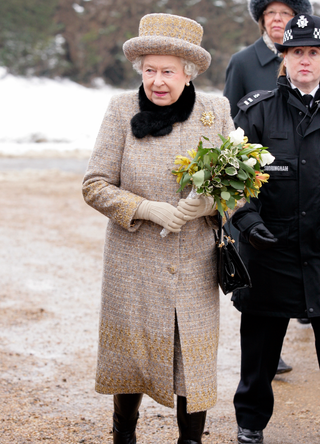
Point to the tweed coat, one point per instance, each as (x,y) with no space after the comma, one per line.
(150,283)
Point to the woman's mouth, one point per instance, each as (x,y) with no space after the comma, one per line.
(160,93)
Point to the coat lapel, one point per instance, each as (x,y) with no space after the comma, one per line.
(264,54)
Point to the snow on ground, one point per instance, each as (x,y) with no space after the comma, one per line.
(45,115)
(38,114)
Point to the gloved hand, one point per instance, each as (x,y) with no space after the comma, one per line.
(194,208)
(161,213)
(261,238)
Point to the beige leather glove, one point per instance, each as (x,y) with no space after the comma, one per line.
(161,213)
(194,208)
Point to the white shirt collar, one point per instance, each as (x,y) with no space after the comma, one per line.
(313,92)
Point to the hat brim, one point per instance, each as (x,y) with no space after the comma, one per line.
(296,43)
(147,45)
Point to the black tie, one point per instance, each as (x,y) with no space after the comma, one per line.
(306,98)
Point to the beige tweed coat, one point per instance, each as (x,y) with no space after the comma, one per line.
(159,319)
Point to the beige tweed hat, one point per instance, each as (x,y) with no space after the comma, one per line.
(166,34)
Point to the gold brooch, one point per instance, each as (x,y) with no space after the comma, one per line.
(207,118)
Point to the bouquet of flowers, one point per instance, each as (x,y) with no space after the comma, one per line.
(227,173)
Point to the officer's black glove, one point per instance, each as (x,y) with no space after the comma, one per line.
(261,238)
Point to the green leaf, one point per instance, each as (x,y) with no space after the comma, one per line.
(200,153)
(186,179)
(231,171)
(222,138)
(231,203)
(225,195)
(242,175)
(236,184)
(247,151)
(246,168)
(198,178)
(219,206)
(214,157)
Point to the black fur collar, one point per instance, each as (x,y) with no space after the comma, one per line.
(158,120)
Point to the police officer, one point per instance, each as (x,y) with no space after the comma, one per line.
(280,231)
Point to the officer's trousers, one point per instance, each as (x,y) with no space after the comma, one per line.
(261,344)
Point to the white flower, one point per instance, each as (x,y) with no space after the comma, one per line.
(266,159)
(237,136)
(250,162)
(256,145)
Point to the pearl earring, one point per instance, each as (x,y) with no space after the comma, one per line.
(188,84)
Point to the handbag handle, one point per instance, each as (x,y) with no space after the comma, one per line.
(222,228)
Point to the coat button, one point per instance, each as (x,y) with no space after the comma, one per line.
(311,310)
(300,113)
(305,263)
(172,269)
(303,213)
(303,162)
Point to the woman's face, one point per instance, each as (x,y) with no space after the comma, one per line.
(276,16)
(163,78)
(303,66)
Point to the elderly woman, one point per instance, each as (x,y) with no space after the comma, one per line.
(159,320)
(257,66)
(284,223)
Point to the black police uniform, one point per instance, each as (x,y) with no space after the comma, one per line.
(286,278)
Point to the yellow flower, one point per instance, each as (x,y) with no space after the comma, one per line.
(193,169)
(261,178)
(182,160)
(179,176)
(192,153)
(224,205)
(251,192)
(255,154)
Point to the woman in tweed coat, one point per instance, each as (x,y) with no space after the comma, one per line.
(159,321)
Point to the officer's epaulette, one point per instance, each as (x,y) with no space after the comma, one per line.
(253,98)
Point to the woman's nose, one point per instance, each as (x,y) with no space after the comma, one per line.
(305,60)
(277,16)
(158,79)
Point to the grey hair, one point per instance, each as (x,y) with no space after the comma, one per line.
(189,68)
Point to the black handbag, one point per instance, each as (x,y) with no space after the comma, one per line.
(232,273)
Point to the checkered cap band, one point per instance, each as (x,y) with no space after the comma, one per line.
(316,33)
(287,35)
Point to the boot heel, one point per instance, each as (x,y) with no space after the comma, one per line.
(191,425)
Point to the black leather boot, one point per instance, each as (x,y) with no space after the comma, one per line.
(125,417)
(283,367)
(191,425)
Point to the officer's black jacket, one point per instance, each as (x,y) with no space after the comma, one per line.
(286,279)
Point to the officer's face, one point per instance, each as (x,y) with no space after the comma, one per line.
(276,16)
(303,67)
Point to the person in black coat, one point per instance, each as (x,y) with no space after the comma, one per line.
(256,67)
(280,231)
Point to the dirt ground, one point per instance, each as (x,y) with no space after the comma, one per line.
(50,262)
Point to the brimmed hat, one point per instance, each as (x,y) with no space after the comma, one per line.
(302,30)
(166,34)
(256,7)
